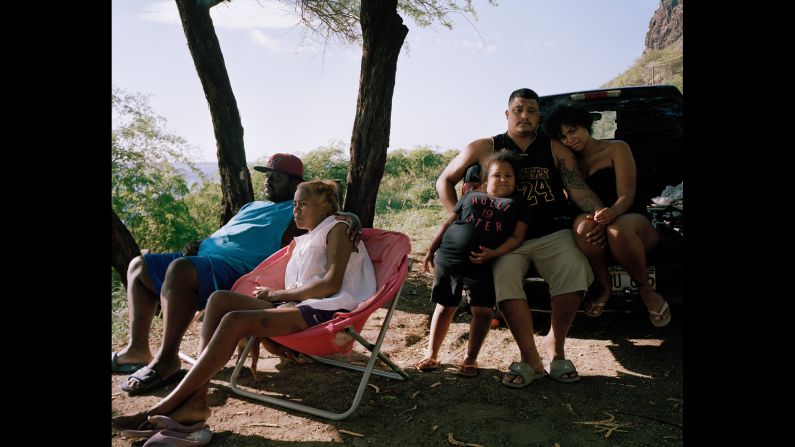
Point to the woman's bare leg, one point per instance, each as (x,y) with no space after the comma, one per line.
(187,403)
(630,236)
(596,257)
(219,304)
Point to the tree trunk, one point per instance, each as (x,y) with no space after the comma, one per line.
(123,247)
(383,33)
(209,61)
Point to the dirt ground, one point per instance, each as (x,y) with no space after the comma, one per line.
(630,393)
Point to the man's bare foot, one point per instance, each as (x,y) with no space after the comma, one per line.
(166,366)
(163,368)
(128,356)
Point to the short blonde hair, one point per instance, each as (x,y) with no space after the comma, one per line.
(326,189)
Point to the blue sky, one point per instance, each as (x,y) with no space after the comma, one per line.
(451,88)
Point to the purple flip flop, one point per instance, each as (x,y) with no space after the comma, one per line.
(170,438)
(160,423)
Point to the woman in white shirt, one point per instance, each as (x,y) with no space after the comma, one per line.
(324,275)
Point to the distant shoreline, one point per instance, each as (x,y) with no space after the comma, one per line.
(209,168)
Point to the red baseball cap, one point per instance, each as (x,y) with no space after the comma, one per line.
(286,163)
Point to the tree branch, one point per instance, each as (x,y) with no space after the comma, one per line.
(210,3)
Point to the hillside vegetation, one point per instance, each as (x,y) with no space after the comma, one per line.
(661,61)
(653,67)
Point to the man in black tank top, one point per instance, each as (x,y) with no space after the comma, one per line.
(537,183)
(546,169)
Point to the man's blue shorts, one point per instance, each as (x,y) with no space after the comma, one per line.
(212,272)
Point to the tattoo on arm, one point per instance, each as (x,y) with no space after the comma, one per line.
(589,203)
(584,197)
(572,178)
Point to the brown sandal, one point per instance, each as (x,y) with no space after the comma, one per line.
(468,370)
(428,364)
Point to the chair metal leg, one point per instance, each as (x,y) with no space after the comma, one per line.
(401,375)
(187,358)
(375,350)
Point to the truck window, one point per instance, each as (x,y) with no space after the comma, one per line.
(604,125)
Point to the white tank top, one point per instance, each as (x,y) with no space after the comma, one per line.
(308,263)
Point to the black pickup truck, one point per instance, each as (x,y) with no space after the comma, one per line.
(649,120)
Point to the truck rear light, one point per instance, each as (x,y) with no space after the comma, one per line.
(596,95)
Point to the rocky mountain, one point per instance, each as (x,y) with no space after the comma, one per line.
(661,61)
(665,28)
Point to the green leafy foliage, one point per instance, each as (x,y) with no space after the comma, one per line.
(419,224)
(204,206)
(147,192)
(410,178)
(118,298)
(425,12)
(409,175)
(328,162)
(153,200)
(339,20)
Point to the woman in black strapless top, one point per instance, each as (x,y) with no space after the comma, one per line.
(609,170)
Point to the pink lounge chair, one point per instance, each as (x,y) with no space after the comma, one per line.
(389,252)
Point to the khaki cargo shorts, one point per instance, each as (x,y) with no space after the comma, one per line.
(556,257)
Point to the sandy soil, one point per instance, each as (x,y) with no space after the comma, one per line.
(630,393)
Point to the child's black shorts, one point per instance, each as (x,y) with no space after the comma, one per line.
(449,282)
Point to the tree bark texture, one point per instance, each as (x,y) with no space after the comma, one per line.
(209,61)
(123,247)
(383,33)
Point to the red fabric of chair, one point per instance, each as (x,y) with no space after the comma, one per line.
(388,251)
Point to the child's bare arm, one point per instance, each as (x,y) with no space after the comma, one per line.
(437,241)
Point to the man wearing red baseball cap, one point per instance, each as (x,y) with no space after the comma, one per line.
(281,171)
(183,282)
(286,163)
